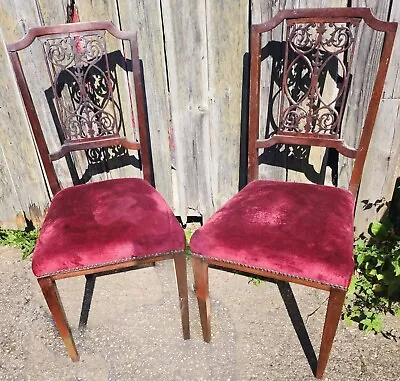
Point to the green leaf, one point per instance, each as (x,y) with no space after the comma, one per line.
(376,324)
(377,229)
(352,286)
(396,266)
(360,258)
(377,287)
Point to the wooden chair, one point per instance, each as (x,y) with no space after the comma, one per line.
(296,232)
(97,227)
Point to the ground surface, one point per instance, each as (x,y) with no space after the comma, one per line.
(134,332)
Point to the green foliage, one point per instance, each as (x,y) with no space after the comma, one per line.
(23,240)
(188,234)
(375,287)
(255,281)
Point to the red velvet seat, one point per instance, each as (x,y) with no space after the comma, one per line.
(268,225)
(114,225)
(290,232)
(104,223)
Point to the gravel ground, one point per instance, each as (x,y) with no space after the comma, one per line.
(134,331)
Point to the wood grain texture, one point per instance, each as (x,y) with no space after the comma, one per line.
(194,63)
(392,84)
(364,70)
(227,40)
(273,160)
(186,51)
(145,18)
(308,164)
(52,12)
(285,163)
(108,10)
(34,67)
(24,188)
(382,166)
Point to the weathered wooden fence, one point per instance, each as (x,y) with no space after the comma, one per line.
(196,70)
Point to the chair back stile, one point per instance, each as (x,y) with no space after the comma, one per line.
(316,41)
(293,231)
(101,227)
(77,53)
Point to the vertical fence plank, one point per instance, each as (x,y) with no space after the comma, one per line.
(227,40)
(11,210)
(24,17)
(382,163)
(52,12)
(381,166)
(27,183)
(364,70)
(392,84)
(145,17)
(272,160)
(282,163)
(186,50)
(201,72)
(108,10)
(308,164)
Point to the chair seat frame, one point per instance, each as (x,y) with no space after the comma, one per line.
(48,282)
(337,294)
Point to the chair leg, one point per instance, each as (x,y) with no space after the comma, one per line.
(181,280)
(333,312)
(200,271)
(50,292)
(87,301)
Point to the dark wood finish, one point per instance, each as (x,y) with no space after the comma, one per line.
(114,141)
(82,142)
(200,272)
(266,274)
(181,274)
(135,264)
(90,142)
(50,292)
(181,280)
(333,312)
(318,15)
(328,137)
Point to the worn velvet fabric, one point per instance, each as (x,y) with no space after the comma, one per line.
(301,230)
(106,222)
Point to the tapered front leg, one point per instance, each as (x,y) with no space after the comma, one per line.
(181,280)
(50,292)
(333,312)
(200,271)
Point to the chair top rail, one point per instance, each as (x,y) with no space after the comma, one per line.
(49,30)
(320,14)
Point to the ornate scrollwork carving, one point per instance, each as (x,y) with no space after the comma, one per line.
(314,50)
(82,85)
(104,154)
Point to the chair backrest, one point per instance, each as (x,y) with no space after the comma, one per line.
(83,89)
(318,41)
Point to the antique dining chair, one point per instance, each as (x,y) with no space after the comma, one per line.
(288,231)
(97,227)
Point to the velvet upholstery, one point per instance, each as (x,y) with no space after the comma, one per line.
(295,229)
(105,222)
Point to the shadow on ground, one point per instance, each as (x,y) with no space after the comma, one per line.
(134,332)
